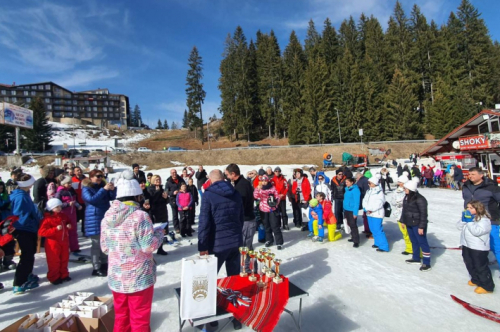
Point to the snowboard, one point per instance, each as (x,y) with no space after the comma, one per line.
(485,313)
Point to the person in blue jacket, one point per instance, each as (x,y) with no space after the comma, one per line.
(97,194)
(26,233)
(316,213)
(352,198)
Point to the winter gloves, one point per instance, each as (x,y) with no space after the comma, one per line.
(467,216)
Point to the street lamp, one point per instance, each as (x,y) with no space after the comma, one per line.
(338,120)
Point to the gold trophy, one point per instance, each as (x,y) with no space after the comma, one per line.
(261,258)
(277,263)
(264,252)
(243,252)
(269,274)
(252,255)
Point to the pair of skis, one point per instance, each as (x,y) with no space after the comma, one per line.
(485,313)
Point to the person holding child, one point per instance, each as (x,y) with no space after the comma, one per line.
(269,202)
(184,202)
(475,240)
(67,195)
(55,228)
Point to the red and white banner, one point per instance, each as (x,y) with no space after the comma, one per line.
(474,142)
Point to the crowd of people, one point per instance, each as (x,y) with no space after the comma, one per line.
(127,220)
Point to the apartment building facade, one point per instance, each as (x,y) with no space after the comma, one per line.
(98,107)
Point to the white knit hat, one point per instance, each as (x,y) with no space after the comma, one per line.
(375,179)
(403,179)
(406,173)
(411,185)
(127,185)
(53,203)
(65,180)
(27,183)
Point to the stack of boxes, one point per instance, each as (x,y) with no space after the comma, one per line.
(79,312)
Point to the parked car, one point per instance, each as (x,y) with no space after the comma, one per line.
(175,149)
(73,152)
(120,151)
(63,153)
(2,153)
(143,149)
(84,153)
(253,145)
(23,152)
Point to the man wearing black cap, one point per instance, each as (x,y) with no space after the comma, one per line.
(138,174)
(282,188)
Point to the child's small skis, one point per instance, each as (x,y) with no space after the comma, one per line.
(485,313)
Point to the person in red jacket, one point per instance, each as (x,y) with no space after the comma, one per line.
(281,186)
(6,237)
(54,227)
(77,179)
(301,191)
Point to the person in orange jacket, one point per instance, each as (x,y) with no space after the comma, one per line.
(281,185)
(55,228)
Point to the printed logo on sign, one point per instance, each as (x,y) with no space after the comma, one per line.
(473,142)
(200,288)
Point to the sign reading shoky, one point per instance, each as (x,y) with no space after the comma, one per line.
(16,116)
(474,142)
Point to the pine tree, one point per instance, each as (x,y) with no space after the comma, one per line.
(185,120)
(174,125)
(165,124)
(401,118)
(399,40)
(38,138)
(194,91)
(159,125)
(329,46)
(312,42)
(227,87)
(137,116)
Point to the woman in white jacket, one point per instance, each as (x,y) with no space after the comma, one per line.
(373,205)
(475,241)
(322,187)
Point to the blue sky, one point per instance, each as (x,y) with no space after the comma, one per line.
(140,47)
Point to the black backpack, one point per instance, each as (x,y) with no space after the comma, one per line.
(271,201)
(387,209)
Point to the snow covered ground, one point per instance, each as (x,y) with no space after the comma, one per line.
(73,135)
(349,289)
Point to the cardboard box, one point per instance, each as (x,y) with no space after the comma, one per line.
(35,323)
(80,324)
(60,308)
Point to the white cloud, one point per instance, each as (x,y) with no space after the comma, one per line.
(80,78)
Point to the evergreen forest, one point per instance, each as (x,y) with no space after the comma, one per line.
(413,79)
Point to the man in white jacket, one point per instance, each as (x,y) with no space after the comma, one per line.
(373,205)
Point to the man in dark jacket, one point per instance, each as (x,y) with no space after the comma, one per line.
(172,187)
(138,174)
(40,186)
(362,182)
(201,178)
(458,176)
(221,223)
(337,186)
(245,189)
(481,188)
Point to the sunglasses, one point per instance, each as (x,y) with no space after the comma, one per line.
(99,176)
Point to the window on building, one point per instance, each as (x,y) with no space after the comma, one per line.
(88,108)
(13,92)
(95,115)
(105,115)
(26,93)
(28,100)
(75,102)
(86,102)
(47,100)
(105,103)
(47,86)
(88,115)
(105,109)
(94,109)
(494,126)
(33,93)
(49,107)
(75,108)
(4,92)
(40,87)
(48,94)
(33,87)
(94,102)
(14,99)
(483,127)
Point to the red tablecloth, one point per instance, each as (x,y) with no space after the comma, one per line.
(267,304)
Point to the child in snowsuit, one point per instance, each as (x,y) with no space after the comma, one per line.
(329,217)
(475,241)
(184,202)
(316,215)
(55,228)
(67,195)
(397,208)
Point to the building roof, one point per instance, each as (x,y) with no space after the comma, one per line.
(461,130)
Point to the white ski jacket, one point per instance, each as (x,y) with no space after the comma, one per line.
(475,234)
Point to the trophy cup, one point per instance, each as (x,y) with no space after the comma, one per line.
(269,273)
(261,258)
(243,252)
(277,263)
(264,252)
(252,255)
